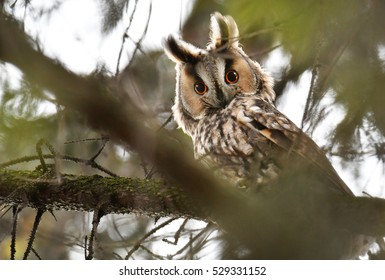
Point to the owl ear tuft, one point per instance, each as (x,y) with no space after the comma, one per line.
(181,52)
(223,32)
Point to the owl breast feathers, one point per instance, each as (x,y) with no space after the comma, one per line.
(225,103)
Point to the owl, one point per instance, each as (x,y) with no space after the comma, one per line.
(225,103)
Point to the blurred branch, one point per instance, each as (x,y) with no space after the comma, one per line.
(327,54)
(313,90)
(260,53)
(112,13)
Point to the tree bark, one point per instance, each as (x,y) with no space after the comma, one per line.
(89,193)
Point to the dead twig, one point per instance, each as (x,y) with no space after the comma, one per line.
(15,213)
(125,36)
(36,223)
(138,44)
(96,216)
(151,232)
(177,234)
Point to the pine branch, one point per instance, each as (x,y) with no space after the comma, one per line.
(91,193)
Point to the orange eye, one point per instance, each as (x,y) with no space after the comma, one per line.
(231,77)
(200,88)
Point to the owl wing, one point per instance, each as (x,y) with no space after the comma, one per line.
(277,128)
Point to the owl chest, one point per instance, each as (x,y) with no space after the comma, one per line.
(225,145)
(221,136)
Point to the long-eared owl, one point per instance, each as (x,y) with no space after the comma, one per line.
(225,103)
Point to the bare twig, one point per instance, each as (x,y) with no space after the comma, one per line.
(264,51)
(39,145)
(96,216)
(36,223)
(259,32)
(156,256)
(15,212)
(166,122)
(125,35)
(87,162)
(138,44)
(115,226)
(151,232)
(313,84)
(85,246)
(36,253)
(149,173)
(321,74)
(177,234)
(12,6)
(192,240)
(119,257)
(100,150)
(91,162)
(87,139)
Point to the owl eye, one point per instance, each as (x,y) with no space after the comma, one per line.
(200,88)
(231,77)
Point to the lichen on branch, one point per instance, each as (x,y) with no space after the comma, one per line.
(88,193)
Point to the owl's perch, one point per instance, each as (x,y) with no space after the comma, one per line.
(152,198)
(274,229)
(89,193)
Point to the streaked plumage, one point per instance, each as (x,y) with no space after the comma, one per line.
(224,102)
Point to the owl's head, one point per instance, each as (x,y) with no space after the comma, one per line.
(208,79)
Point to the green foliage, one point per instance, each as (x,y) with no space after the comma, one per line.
(21,121)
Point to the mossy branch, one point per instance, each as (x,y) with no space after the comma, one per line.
(90,193)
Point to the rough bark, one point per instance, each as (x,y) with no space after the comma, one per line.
(89,193)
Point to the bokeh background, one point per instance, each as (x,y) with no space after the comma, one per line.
(327,59)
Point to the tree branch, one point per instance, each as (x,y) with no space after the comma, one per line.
(89,193)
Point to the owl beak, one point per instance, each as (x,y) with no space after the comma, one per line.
(228,96)
(224,98)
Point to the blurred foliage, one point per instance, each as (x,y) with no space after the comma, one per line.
(113,12)
(20,121)
(341,42)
